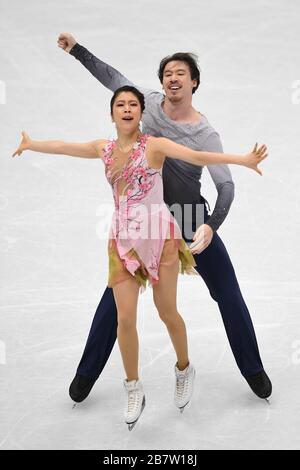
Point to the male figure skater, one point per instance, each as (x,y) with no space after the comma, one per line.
(172,115)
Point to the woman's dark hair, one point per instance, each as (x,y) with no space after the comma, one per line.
(132,90)
(190,59)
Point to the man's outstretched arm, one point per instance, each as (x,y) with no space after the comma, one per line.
(107,75)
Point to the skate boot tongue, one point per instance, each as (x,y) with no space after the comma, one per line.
(131,386)
(181,373)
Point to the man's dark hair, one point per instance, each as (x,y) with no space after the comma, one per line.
(132,90)
(190,59)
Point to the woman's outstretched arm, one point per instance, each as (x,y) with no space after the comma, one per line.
(163,147)
(85,150)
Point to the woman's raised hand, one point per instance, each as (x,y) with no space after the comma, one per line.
(24,145)
(252,159)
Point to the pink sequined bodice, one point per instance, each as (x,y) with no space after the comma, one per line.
(133,180)
(141,219)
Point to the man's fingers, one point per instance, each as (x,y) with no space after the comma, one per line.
(199,249)
(195,247)
(63,36)
(62,43)
(192,245)
(198,233)
(196,242)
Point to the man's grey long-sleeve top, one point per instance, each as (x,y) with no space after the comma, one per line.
(181,180)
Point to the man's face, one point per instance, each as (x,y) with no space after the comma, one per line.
(177,82)
(126,111)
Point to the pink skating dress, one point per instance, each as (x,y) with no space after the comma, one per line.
(143,235)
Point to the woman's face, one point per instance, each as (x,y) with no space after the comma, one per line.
(126,111)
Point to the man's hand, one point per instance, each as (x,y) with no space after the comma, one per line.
(202,239)
(66,41)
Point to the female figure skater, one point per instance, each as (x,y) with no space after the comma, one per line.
(145,242)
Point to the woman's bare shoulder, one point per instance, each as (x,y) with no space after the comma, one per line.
(153,140)
(154,155)
(154,143)
(101,143)
(100,146)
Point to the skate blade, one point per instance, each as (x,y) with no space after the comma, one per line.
(268,401)
(74,405)
(131,425)
(182,408)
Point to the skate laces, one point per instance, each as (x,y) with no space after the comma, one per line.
(134,399)
(182,383)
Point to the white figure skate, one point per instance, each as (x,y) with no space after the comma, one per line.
(135,402)
(184,385)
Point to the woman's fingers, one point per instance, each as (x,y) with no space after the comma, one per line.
(263,155)
(261,149)
(23,144)
(261,152)
(257,149)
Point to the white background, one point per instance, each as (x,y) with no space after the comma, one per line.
(54,263)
